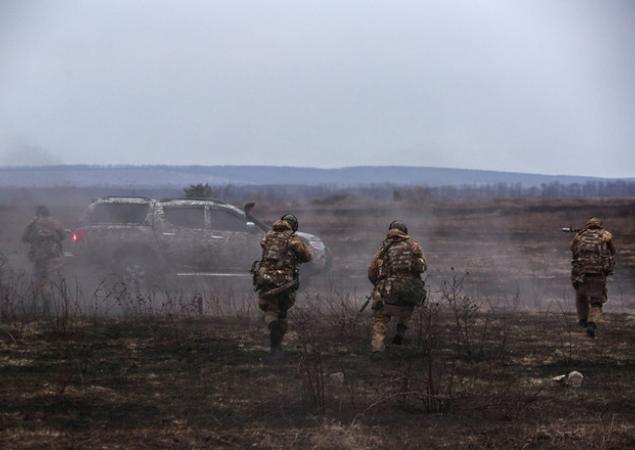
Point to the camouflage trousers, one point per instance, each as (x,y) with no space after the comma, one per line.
(276,307)
(590,296)
(381,320)
(47,275)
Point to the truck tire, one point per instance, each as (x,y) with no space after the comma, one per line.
(139,270)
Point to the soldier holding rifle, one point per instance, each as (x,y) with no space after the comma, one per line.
(395,272)
(276,276)
(592,261)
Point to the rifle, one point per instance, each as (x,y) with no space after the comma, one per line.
(368,297)
(293,284)
(255,267)
(571,230)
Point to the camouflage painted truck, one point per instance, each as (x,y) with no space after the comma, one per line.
(144,239)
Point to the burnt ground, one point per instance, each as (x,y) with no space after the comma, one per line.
(178,372)
(206,383)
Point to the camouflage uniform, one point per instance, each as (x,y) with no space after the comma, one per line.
(593,251)
(45,235)
(395,272)
(282,251)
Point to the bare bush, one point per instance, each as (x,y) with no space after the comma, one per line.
(464,314)
(340,311)
(65,303)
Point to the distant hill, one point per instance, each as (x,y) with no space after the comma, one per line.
(178,176)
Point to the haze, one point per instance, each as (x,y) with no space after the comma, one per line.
(529,86)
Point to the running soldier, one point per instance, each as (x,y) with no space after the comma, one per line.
(45,235)
(395,272)
(593,260)
(276,278)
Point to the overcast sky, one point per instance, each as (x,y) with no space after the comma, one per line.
(544,86)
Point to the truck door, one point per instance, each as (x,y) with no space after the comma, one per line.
(239,241)
(186,236)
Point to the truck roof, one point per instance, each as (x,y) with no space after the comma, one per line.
(208,200)
(185,202)
(123,199)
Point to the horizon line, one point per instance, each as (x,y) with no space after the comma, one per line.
(273,166)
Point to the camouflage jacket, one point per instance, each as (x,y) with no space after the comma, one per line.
(593,251)
(282,249)
(399,256)
(45,236)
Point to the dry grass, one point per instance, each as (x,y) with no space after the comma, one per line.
(185,368)
(205,382)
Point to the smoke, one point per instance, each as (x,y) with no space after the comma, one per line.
(26,154)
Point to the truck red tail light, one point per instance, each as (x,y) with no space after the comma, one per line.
(78,235)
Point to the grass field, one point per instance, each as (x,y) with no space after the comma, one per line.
(188,369)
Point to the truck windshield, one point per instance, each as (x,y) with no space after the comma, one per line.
(117,213)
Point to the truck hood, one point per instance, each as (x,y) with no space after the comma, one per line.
(321,260)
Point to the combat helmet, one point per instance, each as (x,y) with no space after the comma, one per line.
(398,225)
(593,222)
(291,220)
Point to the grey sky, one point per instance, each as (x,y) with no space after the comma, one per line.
(534,86)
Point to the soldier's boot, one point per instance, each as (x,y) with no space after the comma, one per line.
(583,323)
(399,337)
(590,329)
(275,340)
(595,316)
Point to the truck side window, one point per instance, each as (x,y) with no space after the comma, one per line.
(116,213)
(223,220)
(185,216)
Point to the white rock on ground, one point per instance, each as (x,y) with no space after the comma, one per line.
(575,379)
(559,379)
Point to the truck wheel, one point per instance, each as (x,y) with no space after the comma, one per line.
(138,272)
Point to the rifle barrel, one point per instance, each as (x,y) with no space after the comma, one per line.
(365,305)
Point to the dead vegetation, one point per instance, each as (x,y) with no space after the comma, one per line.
(112,366)
(171,377)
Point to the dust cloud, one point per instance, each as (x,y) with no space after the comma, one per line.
(510,253)
(21,153)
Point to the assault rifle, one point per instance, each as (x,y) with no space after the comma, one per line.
(571,230)
(293,284)
(361,310)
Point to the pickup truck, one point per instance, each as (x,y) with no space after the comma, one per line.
(144,239)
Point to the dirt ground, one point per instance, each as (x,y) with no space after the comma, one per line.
(189,369)
(206,383)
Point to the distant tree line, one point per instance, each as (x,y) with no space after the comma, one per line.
(387,192)
(591,189)
(326,194)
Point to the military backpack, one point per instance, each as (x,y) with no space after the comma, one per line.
(401,284)
(591,254)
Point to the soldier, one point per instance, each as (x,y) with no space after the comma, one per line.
(276,278)
(395,273)
(45,235)
(592,262)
